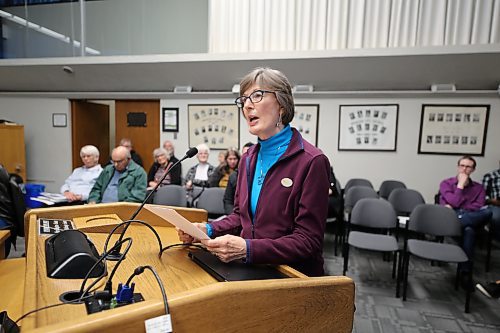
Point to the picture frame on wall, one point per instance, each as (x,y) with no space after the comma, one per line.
(59,120)
(368,127)
(218,126)
(453,129)
(170,119)
(306,121)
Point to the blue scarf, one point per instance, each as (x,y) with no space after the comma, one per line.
(269,153)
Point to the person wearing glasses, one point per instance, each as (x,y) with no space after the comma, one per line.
(467,198)
(123,180)
(281,199)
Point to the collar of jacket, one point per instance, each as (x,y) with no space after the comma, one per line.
(295,147)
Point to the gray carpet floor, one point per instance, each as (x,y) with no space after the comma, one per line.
(432,305)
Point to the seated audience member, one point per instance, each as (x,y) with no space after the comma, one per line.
(11,212)
(198,175)
(127,143)
(163,164)
(124,180)
(490,289)
(221,174)
(78,185)
(169,147)
(231,184)
(491,184)
(221,157)
(467,198)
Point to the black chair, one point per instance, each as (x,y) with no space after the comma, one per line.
(388,186)
(356,182)
(439,222)
(378,219)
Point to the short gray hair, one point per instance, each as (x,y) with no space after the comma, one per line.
(89,150)
(274,80)
(160,151)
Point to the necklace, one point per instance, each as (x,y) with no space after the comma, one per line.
(262,176)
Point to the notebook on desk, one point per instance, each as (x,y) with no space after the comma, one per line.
(234,271)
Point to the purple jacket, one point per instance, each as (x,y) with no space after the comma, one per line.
(289,221)
(471,198)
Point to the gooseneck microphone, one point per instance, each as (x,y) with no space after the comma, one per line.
(116,255)
(190,153)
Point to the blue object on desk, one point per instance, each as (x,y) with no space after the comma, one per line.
(33,190)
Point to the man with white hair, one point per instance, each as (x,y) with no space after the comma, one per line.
(78,185)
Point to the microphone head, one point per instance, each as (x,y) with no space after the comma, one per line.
(191,152)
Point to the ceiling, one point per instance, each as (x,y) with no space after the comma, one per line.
(412,69)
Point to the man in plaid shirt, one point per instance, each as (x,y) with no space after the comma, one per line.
(491,183)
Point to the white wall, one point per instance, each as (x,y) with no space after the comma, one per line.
(417,171)
(49,149)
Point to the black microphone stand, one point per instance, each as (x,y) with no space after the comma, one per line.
(115,254)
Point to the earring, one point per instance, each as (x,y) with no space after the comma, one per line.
(279,121)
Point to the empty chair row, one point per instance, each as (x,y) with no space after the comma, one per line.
(428,224)
(386,187)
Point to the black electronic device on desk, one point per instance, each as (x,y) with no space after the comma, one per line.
(69,254)
(235,270)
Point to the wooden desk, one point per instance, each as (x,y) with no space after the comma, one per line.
(196,300)
(4,235)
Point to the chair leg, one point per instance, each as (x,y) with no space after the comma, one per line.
(468,291)
(488,248)
(346,257)
(395,257)
(398,276)
(406,264)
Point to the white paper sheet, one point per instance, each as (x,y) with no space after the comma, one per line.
(171,216)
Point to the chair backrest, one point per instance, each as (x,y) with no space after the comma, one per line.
(357,182)
(171,195)
(212,200)
(374,213)
(356,193)
(405,200)
(435,220)
(194,194)
(388,186)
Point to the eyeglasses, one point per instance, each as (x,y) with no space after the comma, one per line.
(465,166)
(120,161)
(254,97)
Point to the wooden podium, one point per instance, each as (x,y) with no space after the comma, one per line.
(196,300)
